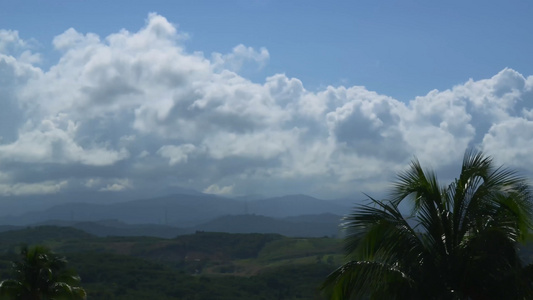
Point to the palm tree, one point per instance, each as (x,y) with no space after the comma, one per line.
(459,242)
(41,275)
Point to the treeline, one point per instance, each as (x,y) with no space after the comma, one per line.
(106,276)
(198,266)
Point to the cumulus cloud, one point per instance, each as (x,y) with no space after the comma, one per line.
(11,44)
(117,186)
(23,189)
(216,190)
(176,154)
(131,109)
(240,55)
(49,143)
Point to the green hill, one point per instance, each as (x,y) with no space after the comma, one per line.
(204,265)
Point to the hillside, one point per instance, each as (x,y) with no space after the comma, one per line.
(203,265)
(104,228)
(295,205)
(305,226)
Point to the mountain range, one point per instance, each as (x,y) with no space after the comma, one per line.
(176,214)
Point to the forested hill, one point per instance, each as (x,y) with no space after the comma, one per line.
(203,265)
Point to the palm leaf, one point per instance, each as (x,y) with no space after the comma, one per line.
(357,279)
(464,245)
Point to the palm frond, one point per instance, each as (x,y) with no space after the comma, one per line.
(10,288)
(380,230)
(357,279)
(464,245)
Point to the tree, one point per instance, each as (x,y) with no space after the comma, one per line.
(459,241)
(41,275)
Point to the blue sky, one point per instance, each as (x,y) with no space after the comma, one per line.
(399,48)
(257,97)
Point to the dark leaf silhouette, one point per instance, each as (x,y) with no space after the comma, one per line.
(463,244)
(41,275)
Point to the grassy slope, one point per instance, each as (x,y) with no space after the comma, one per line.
(197,266)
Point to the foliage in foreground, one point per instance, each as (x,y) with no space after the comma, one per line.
(463,246)
(41,274)
(204,265)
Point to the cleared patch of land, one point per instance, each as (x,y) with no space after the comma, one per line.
(204,265)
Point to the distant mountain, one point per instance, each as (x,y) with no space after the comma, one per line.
(319,218)
(263,224)
(295,205)
(179,210)
(117,228)
(17,205)
(251,197)
(302,226)
(350,202)
(297,226)
(182,210)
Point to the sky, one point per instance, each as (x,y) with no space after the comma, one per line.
(258,97)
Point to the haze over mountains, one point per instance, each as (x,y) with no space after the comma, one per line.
(184,212)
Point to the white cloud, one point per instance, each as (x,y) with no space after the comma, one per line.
(22,189)
(143,154)
(176,154)
(92,182)
(111,103)
(10,39)
(511,141)
(215,189)
(11,44)
(239,56)
(119,185)
(108,185)
(51,144)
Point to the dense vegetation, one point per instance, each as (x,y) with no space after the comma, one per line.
(464,243)
(40,274)
(198,266)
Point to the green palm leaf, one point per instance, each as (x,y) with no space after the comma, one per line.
(463,246)
(41,274)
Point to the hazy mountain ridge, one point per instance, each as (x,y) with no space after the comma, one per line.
(17,205)
(300,226)
(295,205)
(312,226)
(179,210)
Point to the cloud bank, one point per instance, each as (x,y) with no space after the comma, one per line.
(136,109)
